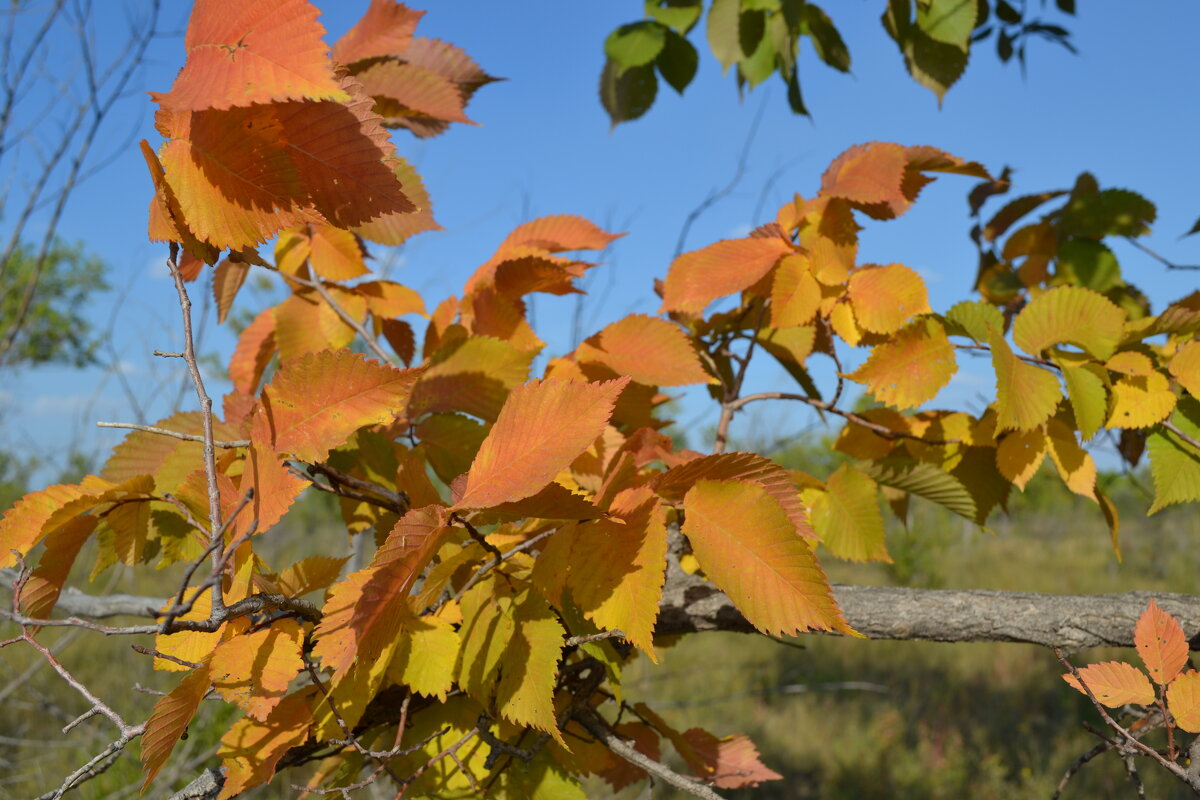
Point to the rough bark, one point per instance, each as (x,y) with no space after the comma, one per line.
(692,605)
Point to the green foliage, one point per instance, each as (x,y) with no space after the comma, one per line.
(42,303)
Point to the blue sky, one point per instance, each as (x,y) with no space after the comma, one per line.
(1124,108)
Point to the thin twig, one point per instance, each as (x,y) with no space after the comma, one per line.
(495,562)
(880,430)
(1183,436)
(595,727)
(1160,259)
(595,637)
(187,437)
(319,287)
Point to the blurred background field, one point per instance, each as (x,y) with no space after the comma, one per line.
(840,719)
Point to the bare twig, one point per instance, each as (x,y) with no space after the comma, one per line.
(319,287)
(880,430)
(596,728)
(187,437)
(595,637)
(1160,259)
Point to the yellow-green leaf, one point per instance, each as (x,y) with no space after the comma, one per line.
(1174,462)
(1070,315)
(1026,395)
(847,517)
(1139,402)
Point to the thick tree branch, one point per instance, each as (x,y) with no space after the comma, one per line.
(692,605)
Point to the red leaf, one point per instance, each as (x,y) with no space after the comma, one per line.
(1161,644)
(316,402)
(252,51)
(543,427)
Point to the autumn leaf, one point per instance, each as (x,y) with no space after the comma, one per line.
(1026,395)
(188,646)
(253,670)
(363,611)
(332,252)
(1185,367)
(749,467)
(697,278)
(885,298)
(1075,465)
(315,403)
(473,375)
(402,90)
(525,691)
(1183,698)
(649,350)
(227,280)
(795,293)
(911,367)
(750,549)
(425,655)
(1019,454)
(1114,683)
(1161,644)
(1141,401)
(170,719)
(274,486)
(846,517)
(254,350)
(543,426)
(396,227)
(1070,315)
(386,29)
(731,762)
(42,588)
(251,749)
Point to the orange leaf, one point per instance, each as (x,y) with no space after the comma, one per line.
(170,719)
(254,51)
(1183,698)
(251,749)
(1161,644)
(1114,683)
(697,278)
(316,402)
(275,487)
(869,174)
(168,460)
(885,298)
(750,467)
(305,323)
(43,587)
(1185,366)
(558,233)
(543,427)
(749,548)
(227,280)
(254,350)
(910,368)
(731,762)
(649,350)
(310,574)
(1075,465)
(38,514)
(396,227)
(253,670)
(385,30)
(473,375)
(363,612)
(405,90)
(390,299)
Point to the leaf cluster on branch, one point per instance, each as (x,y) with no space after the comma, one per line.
(535,533)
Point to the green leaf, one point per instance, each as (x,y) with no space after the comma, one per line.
(934,64)
(795,99)
(722,31)
(1174,462)
(758,65)
(752,24)
(826,39)
(1088,263)
(679,15)
(1112,212)
(1087,389)
(978,473)
(923,480)
(948,21)
(627,94)
(636,44)
(678,61)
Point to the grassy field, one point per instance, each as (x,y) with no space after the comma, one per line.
(838,718)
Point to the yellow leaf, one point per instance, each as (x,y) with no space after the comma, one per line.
(525,692)
(795,293)
(1026,395)
(1185,366)
(192,646)
(1019,454)
(841,319)
(1074,464)
(425,655)
(1139,402)
(1183,698)
(1130,362)
(885,298)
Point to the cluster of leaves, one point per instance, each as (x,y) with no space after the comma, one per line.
(1172,701)
(525,527)
(760,38)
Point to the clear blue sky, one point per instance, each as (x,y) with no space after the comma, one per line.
(1123,108)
